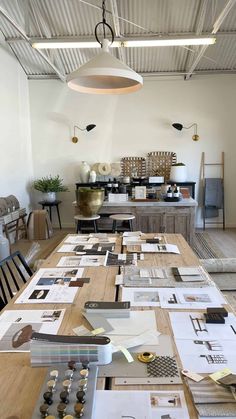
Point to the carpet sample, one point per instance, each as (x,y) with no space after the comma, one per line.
(225,281)
(205,248)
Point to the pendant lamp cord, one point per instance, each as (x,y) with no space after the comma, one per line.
(104,25)
(104,17)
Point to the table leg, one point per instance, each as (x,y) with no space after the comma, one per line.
(131,225)
(58,214)
(95,226)
(50,213)
(78,227)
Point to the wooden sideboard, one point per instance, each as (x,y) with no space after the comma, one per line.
(159,216)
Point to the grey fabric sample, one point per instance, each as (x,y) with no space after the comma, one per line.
(98,321)
(217,410)
(207,391)
(213,192)
(219,265)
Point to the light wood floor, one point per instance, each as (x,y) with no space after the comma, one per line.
(46,246)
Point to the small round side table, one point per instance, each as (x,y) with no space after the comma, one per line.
(50,205)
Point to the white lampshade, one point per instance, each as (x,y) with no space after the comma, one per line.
(105,74)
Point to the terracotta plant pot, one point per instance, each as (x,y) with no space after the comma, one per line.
(89,201)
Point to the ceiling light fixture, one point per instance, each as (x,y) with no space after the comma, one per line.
(179,127)
(87,128)
(127,43)
(104,74)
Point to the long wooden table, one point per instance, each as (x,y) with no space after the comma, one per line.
(20,384)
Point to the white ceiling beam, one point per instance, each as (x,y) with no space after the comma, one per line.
(198,30)
(27,39)
(116,23)
(126,38)
(44,27)
(147,75)
(25,7)
(215,29)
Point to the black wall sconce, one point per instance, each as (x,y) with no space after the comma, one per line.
(87,128)
(179,127)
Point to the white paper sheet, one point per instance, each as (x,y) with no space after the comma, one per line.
(51,286)
(159,248)
(91,238)
(189,298)
(132,233)
(85,260)
(141,297)
(89,260)
(67,248)
(77,238)
(16,327)
(149,338)
(140,404)
(206,356)
(138,322)
(213,331)
(132,240)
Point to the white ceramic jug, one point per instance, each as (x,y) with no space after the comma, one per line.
(84,170)
(92,176)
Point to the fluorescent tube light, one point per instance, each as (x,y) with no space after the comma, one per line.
(168,42)
(64,45)
(133,43)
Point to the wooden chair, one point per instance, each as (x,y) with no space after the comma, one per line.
(14,272)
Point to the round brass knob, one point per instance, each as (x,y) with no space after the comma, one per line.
(146,357)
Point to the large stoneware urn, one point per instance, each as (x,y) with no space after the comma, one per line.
(89,201)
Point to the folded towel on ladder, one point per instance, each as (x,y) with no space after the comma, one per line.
(213,196)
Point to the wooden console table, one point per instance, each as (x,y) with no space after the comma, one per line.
(159,216)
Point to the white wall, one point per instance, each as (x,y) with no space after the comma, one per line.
(132,125)
(15,142)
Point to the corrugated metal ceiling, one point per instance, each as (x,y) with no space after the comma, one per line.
(77,18)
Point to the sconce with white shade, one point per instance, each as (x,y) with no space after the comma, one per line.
(87,128)
(104,74)
(179,127)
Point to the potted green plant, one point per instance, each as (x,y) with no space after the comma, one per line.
(178,172)
(49,185)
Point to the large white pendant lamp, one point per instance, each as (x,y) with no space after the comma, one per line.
(104,74)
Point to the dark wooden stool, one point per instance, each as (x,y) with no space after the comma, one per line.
(50,205)
(121,218)
(80,219)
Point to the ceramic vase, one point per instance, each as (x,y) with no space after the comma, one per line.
(178,174)
(84,170)
(89,201)
(49,196)
(92,176)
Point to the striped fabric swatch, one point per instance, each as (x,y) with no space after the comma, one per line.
(207,391)
(212,400)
